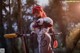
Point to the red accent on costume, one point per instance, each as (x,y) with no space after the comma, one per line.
(55,44)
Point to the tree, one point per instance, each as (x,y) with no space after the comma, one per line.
(13,14)
(56,13)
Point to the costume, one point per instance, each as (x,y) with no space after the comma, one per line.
(41,28)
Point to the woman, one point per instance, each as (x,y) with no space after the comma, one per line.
(41,27)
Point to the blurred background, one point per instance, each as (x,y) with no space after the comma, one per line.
(16,16)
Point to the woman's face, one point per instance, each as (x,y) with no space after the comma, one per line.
(37,14)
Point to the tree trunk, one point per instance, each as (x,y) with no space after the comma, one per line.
(20,30)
